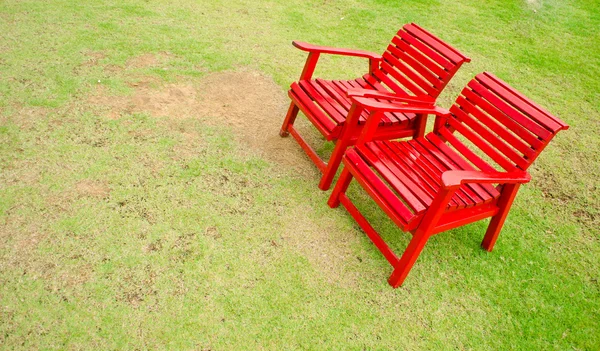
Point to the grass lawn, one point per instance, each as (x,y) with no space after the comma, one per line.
(147,201)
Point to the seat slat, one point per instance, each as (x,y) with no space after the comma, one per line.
(336,94)
(484,191)
(319,116)
(412,200)
(407,175)
(343,86)
(462,199)
(322,102)
(388,118)
(330,100)
(350,84)
(428,173)
(466,192)
(386,198)
(431,164)
(400,157)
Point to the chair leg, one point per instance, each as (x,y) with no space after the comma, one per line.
(509,192)
(334,163)
(406,262)
(340,188)
(420,125)
(289,119)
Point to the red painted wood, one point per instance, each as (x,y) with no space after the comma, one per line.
(336,51)
(384,197)
(435,43)
(369,230)
(308,149)
(431,78)
(426,50)
(441,42)
(435,183)
(426,61)
(417,65)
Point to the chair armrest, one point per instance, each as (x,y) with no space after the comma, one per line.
(335,51)
(373,105)
(453,179)
(374,94)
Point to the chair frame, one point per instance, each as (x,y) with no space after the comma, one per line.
(437,218)
(349,135)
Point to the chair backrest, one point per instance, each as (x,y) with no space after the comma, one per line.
(418,63)
(505,125)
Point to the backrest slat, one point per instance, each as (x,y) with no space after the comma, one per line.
(431,79)
(511,112)
(408,74)
(442,61)
(513,126)
(502,123)
(382,76)
(491,139)
(418,63)
(400,78)
(457,123)
(553,123)
(431,65)
(434,42)
(463,149)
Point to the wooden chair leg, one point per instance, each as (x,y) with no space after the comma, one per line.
(333,164)
(509,192)
(420,125)
(340,188)
(289,119)
(406,262)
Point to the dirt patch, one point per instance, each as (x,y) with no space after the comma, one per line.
(328,250)
(92,189)
(149,60)
(252,105)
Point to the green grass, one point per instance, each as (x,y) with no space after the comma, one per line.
(111,239)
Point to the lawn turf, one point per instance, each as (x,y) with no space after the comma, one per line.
(113,237)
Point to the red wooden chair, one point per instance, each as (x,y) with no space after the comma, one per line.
(431,184)
(415,68)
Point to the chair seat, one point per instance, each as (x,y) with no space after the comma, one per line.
(413,170)
(328,103)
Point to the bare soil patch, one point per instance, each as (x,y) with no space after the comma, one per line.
(249,103)
(92,189)
(149,60)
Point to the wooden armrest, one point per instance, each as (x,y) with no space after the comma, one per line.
(373,105)
(374,94)
(453,179)
(335,51)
